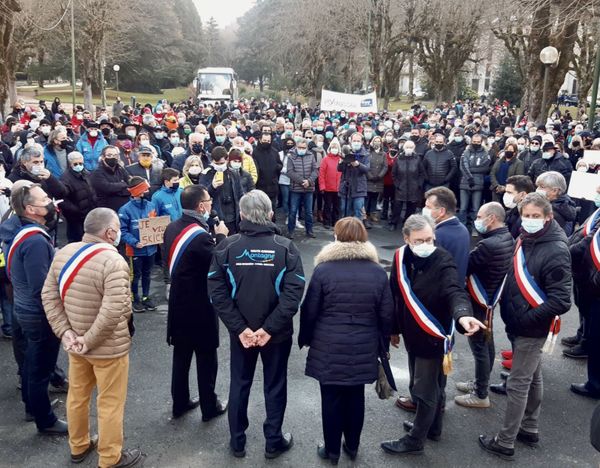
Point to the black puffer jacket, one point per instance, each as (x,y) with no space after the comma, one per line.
(513,221)
(549,263)
(440,166)
(489,261)
(268,165)
(580,272)
(80,198)
(257,260)
(528,157)
(52,186)
(585,274)
(474,166)
(565,213)
(110,186)
(435,283)
(408,175)
(556,163)
(347,306)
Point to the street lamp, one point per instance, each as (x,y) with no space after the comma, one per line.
(548,56)
(116,69)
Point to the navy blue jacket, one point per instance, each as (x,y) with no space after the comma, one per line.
(454,237)
(347,306)
(30,264)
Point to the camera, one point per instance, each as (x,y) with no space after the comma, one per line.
(347,155)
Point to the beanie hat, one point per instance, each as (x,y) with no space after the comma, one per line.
(138,186)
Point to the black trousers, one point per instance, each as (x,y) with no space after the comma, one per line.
(331,208)
(343,413)
(274,357)
(484,352)
(427,388)
(400,207)
(592,335)
(206,370)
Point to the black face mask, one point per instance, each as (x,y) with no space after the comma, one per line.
(64,144)
(196,148)
(509,154)
(414,138)
(111,162)
(476,146)
(175,186)
(575,144)
(106,132)
(51,216)
(438,146)
(265,144)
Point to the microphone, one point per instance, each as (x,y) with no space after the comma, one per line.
(214,217)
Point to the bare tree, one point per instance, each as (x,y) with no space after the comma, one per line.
(584,58)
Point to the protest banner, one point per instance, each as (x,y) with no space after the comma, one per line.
(359,103)
(152,230)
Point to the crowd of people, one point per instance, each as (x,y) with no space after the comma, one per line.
(237,181)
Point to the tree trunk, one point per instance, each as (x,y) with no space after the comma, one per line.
(411,77)
(88,96)
(12,91)
(261,83)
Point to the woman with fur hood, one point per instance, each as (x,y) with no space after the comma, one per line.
(347,307)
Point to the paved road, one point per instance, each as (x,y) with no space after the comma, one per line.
(190,443)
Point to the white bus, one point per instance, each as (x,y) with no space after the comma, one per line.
(216,84)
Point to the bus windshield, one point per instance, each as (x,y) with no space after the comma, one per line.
(214,84)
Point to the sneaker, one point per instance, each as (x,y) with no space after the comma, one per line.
(148,304)
(299,225)
(137,306)
(506,354)
(465,387)
(575,352)
(471,400)
(507,364)
(367,224)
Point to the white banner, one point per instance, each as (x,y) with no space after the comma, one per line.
(583,185)
(360,103)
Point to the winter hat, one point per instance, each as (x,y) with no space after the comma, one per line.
(138,186)
(548,145)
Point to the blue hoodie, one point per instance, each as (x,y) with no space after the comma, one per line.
(30,264)
(168,202)
(129,215)
(91,155)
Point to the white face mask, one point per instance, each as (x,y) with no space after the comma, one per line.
(409,152)
(131,133)
(195,170)
(509,200)
(34,125)
(427,212)
(235,165)
(220,167)
(532,225)
(117,240)
(334,151)
(547,155)
(93,133)
(422,250)
(541,191)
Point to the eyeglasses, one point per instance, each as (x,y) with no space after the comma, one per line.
(207,201)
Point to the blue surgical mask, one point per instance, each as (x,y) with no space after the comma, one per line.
(597,200)
(205,215)
(547,155)
(356,146)
(480,226)
(220,139)
(301,152)
(458,139)
(329,135)
(78,168)
(532,225)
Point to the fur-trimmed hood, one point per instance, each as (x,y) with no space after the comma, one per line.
(347,251)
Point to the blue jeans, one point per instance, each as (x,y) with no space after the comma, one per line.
(40,360)
(285,198)
(469,199)
(297,198)
(142,268)
(354,208)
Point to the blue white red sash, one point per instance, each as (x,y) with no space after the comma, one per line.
(479,295)
(21,236)
(527,285)
(425,319)
(75,264)
(181,242)
(589,224)
(595,249)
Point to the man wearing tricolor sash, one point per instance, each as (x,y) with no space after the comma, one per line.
(537,291)
(584,246)
(428,300)
(577,345)
(29,252)
(192,323)
(488,263)
(88,304)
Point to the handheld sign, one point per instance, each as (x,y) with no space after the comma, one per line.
(592,157)
(583,185)
(152,230)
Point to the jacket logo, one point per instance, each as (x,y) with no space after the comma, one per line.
(258,256)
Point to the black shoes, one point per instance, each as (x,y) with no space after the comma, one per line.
(290,235)
(490,445)
(129,458)
(79,458)
(583,390)
(58,428)
(408,425)
(287,442)
(576,352)
(311,235)
(500,388)
(504,375)
(138,307)
(570,341)
(191,404)
(148,304)
(63,387)
(406,445)
(322,453)
(351,453)
(220,409)
(528,438)
(238,453)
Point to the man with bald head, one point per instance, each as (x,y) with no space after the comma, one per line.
(489,262)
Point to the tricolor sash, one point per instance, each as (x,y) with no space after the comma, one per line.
(21,236)
(479,295)
(533,294)
(595,249)
(589,224)
(425,319)
(75,264)
(181,242)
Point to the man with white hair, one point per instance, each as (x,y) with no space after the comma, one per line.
(257,259)
(31,167)
(79,199)
(553,186)
(196,147)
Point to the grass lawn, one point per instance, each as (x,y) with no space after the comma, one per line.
(64,93)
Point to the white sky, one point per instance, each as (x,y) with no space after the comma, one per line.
(225,12)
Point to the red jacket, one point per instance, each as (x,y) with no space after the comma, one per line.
(387,179)
(329,176)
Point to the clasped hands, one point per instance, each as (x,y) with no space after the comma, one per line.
(250,339)
(74,343)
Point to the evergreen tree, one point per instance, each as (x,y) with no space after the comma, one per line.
(213,56)
(507,84)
